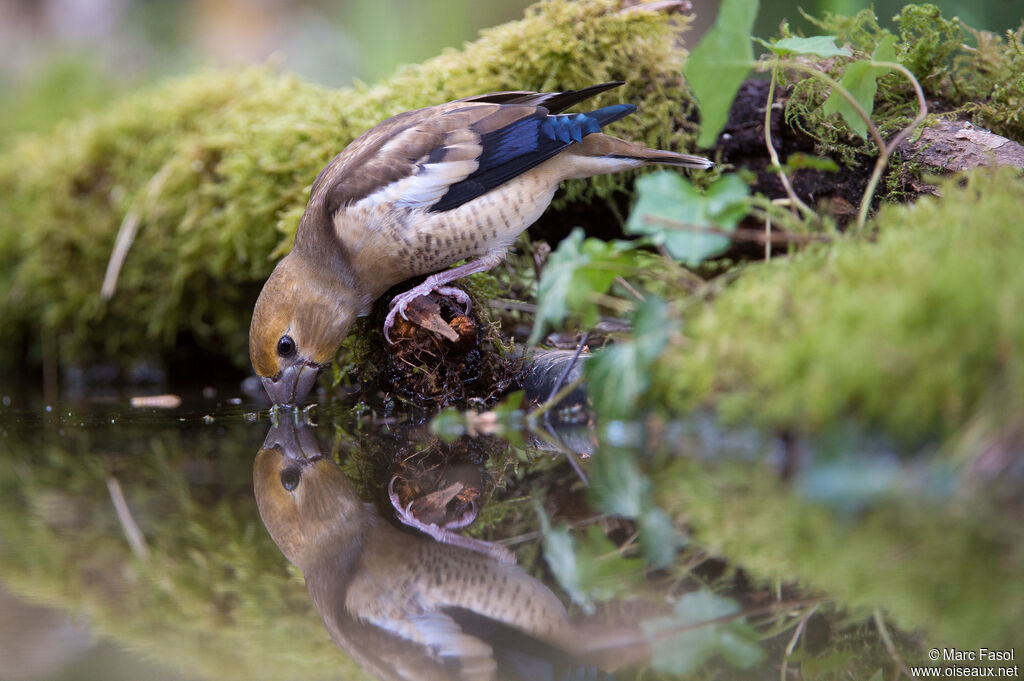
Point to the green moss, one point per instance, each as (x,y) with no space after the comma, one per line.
(976,73)
(917,332)
(215,597)
(951,571)
(217,167)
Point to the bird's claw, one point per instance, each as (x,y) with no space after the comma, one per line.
(401,302)
(443,534)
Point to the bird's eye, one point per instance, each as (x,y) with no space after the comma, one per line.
(286,346)
(290,478)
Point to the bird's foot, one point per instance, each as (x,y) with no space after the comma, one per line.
(401,302)
(445,535)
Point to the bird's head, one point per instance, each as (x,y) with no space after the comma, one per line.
(300,320)
(306,503)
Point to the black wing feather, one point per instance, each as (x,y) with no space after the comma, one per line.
(524,144)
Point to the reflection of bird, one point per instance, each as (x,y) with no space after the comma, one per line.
(416,194)
(403,606)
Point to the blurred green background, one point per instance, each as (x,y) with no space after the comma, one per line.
(61,57)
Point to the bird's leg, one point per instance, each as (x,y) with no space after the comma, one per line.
(446,536)
(436,282)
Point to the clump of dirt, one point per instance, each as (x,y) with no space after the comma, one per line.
(443,355)
(742,145)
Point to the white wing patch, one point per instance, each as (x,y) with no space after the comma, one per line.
(431,182)
(457,160)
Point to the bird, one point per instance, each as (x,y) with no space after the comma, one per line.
(416,194)
(404,606)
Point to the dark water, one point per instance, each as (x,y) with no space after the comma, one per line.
(132,545)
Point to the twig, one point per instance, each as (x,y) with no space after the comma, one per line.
(884,150)
(558,446)
(568,369)
(889,645)
(127,231)
(794,199)
(131,530)
(724,619)
(504,304)
(537,534)
(793,641)
(883,158)
(740,233)
(629,287)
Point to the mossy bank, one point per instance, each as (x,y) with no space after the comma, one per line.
(215,170)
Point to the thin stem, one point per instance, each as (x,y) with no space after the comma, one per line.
(828,80)
(885,152)
(775,157)
(531,418)
(739,233)
(568,369)
(724,619)
(889,645)
(793,641)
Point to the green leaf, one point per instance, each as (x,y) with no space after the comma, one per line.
(819,45)
(860,79)
(449,424)
(718,65)
(659,538)
(575,271)
(665,198)
(619,375)
(683,641)
(617,486)
(801,161)
(589,568)
(885,50)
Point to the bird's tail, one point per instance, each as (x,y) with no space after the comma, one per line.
(597,154)
(613,147)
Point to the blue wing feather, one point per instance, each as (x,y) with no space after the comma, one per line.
(524,144)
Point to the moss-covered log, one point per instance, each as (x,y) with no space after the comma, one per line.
(216,168)
(919,331)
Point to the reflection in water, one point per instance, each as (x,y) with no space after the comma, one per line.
(407,607)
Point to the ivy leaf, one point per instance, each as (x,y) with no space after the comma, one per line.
(617,486)
(619,375)
(575,271)
(659,538)
(589,568)
(718,65)
(670,198)
(860,79)
(818,45)
(700,636)
(801,161)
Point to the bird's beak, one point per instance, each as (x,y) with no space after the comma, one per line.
(292,386)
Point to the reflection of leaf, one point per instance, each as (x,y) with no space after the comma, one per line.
(658,538)
(619,487)
(616,484)
(860,79)
(719,63)
(619,375)
(589,568)
(671,197)
(576,270)
(684,651)
(818,45)
(801,161)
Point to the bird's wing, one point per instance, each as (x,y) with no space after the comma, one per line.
(441,157)
(427,647)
